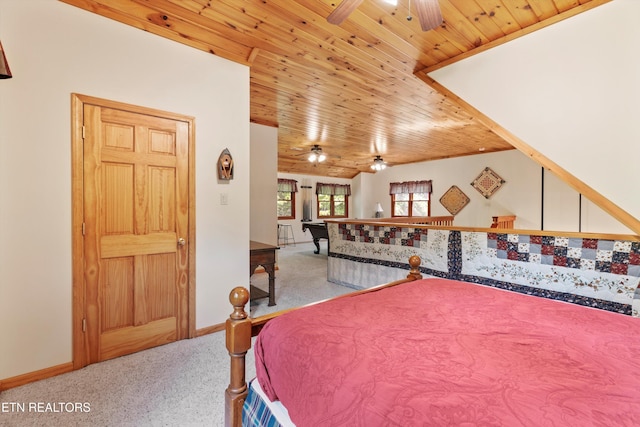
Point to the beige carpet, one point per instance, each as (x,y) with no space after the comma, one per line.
(179,384)
(301,278)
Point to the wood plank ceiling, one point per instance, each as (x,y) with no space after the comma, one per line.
(351,88)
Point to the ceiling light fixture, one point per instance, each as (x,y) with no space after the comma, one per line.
(317,155)
(378,164)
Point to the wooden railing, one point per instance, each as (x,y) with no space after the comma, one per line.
(505,221)
(421,220)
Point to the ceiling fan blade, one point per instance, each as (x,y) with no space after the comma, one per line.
(429,15)
(342,11)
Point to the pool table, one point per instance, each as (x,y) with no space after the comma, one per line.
(318,231)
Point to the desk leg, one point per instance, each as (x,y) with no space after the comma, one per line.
(316,241)
(272,283)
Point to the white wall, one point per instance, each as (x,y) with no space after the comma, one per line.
(55,49)
(264,183)
(363,198)
(522,194)
(571,91)
(558,194)
(516,197)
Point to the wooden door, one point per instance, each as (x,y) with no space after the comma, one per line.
(136,230)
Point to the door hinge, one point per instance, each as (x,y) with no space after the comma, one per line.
(83,129)
(84,325)
(83,229)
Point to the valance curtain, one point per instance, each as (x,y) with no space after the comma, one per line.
(333,189)
(410,187)
(287,185)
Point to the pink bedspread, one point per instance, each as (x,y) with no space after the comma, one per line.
(438,352)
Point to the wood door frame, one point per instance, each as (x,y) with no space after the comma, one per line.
(80,339)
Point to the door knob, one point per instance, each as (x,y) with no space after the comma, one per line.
(181,241)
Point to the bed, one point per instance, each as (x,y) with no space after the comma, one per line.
(436,352)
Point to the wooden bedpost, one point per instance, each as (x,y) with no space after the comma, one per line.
(238,337)
(414,273)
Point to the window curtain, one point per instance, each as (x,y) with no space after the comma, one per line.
(410,187)
(287,185)
(333,189)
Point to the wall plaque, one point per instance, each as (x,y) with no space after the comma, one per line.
(454,200)
(488,182)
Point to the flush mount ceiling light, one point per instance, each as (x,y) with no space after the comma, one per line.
(316,155)
(378,164)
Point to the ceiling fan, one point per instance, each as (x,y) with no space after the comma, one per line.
(316,155)
(378,164)
(428,12)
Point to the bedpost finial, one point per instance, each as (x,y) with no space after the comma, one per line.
(414,261)
(414,273)
(238,298)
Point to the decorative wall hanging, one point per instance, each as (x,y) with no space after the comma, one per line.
(487,183)
(225,166)
(5,72)
(454,200)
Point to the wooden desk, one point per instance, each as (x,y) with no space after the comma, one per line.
(264,255)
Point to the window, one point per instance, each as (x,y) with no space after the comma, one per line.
(287,189)
(333,200)
(411,198)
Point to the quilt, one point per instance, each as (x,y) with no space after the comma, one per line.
(443,352)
